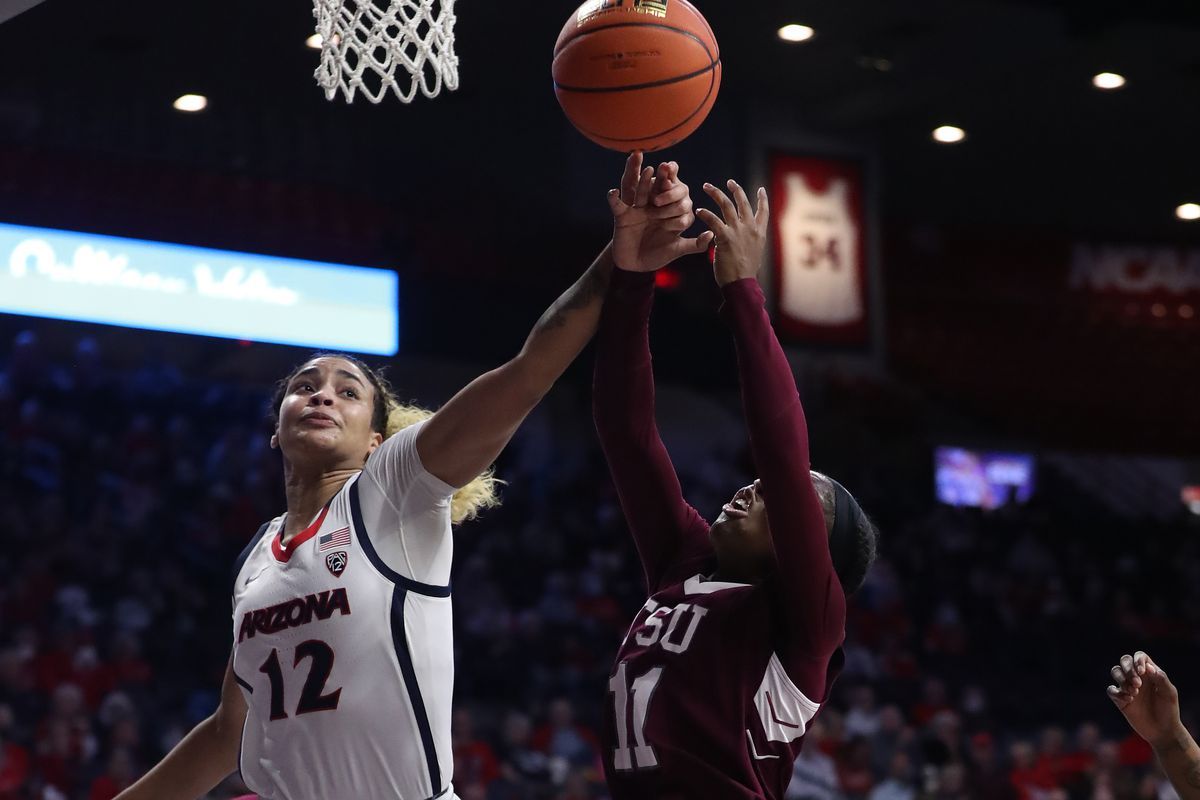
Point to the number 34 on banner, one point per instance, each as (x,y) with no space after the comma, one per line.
(820,238)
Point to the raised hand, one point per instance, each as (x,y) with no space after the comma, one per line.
(740,231)
(1147,698)
(1150,702)
(651,211)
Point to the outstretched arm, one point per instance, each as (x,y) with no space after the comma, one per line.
(467,434)
(812,600)
(623,407)
(1150,703)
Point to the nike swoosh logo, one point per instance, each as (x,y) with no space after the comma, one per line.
(775,717)
(250,579)
(753,751)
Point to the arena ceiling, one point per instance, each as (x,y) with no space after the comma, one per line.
(1044,147)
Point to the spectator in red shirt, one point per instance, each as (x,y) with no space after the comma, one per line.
(1030,779)
(115,779)
(1135,751)
(1051,756)
(91,675)
(52,664)
(933,700)
(14,769)
(1080,762)
(474,760)
(60,756)
(67,712)
(128,666)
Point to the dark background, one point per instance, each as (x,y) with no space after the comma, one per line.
(487,194)
(138,473)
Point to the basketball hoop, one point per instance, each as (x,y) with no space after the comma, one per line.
(365,44)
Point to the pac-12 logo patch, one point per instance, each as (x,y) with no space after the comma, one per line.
(336,563)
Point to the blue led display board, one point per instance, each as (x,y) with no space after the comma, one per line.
(171,287)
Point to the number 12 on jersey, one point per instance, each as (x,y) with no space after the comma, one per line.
(312,697)
(642,690)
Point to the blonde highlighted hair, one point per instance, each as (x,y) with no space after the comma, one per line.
(478,495)
(389,417)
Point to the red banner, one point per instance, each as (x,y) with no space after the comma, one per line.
(820,238)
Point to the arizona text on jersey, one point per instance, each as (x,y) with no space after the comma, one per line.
(343,642)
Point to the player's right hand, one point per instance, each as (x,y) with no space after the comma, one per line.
(740,231)
(651,211)
(1147,698)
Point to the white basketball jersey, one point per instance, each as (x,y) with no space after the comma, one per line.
(343,642)
(820,259)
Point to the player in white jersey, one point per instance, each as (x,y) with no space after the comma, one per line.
(340,682)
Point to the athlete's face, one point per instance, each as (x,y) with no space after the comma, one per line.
(741,536)
(326,414)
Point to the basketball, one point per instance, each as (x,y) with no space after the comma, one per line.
(636,74)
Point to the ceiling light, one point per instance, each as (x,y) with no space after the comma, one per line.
(1108,80)
(315,41)
(1188,211)
(796,33)
(191,102)
(949,134)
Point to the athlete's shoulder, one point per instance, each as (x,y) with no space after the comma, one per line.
(396,467)
(398,449)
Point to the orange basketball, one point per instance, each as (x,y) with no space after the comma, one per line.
(636,74)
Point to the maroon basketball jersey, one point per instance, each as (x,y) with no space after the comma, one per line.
(699,704)
(715,683)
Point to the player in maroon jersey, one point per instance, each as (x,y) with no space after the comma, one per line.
(736,649)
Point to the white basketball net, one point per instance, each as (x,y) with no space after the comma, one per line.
(364,44)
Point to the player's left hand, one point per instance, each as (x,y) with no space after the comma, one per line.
(741,232)
(651,211)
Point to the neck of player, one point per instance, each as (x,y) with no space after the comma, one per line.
(307,493)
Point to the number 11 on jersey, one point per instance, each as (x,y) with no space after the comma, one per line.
(642,690)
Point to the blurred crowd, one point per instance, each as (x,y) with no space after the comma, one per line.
(977,652)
